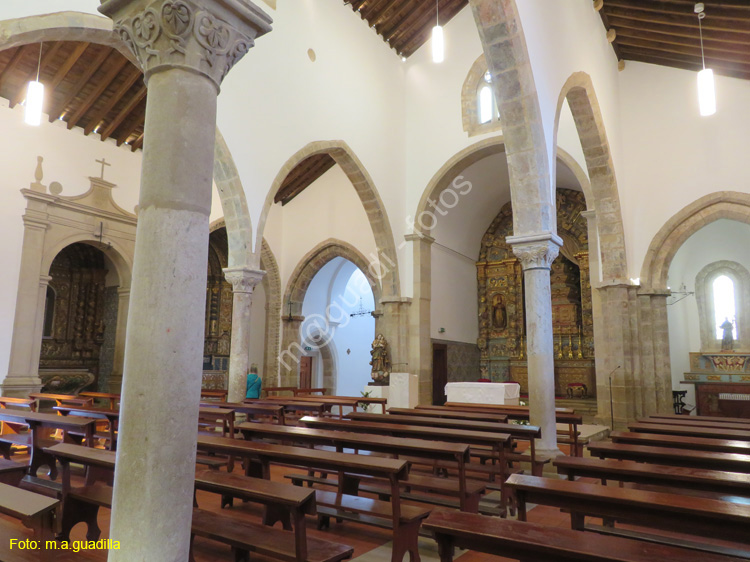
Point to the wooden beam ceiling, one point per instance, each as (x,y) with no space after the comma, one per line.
(302,176)
(666,32)
(90,86)
(405,25)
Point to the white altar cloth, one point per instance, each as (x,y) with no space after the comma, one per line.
(483,392)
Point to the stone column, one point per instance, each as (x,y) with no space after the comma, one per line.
(536,254)
(185,49)
(420,339)
(123,304)
(291,350)
(243,282)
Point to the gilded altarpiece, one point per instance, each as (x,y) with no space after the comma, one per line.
(219,299)
(502,338)
(75,312)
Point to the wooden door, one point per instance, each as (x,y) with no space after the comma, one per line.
(439,373)
(305,372)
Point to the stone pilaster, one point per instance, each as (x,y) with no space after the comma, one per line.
(185,49)
(536,254)
(291,350)
(23,368)
(420,340)
(123,305)
(243,282)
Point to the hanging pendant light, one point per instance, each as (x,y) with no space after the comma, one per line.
(706,85)
(35,97)
(438,38)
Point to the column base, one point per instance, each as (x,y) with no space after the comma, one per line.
(20,387)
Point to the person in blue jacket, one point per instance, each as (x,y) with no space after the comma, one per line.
(253,384)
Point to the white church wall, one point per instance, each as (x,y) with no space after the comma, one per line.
(673,155)
(710,244)
(454,296)
(329,208)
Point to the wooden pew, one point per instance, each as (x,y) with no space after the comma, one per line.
(290,405)
(675,457)
(710,432)
(687,422)
(251,409)
(111,417)
(299,391)
(112,399)
(285,503)
(562,416)
(213,417)
(38,423)
(216,395)
(35,511)
(519,432)
(82,503)
(670,417)
(277,390)
(22,404)
(500,443)
(60,399)
(450,414)
(715,481)
(328,401)
(11,473)
(669,512)
(404,520)
(681,442)
(9,531)
(532,542)
(468,492)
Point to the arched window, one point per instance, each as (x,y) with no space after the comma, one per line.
(722,291)
(478,105)
(49,312)
(724,305)
(486,106)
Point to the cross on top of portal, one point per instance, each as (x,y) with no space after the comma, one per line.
(103,162)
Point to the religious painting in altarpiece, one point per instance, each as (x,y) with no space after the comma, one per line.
(502,335)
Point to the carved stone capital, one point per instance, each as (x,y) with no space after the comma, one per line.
(207,37)
(537,251)
(243,280)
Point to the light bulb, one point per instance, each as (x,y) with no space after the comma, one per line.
(438,44)
(706,92)
(34,103)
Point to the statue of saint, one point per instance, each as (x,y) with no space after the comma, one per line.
(499,312)
(727,342)
(381,362)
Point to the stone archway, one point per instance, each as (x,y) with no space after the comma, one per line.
(730,205)
(294,296)
(368,194)
(603,198)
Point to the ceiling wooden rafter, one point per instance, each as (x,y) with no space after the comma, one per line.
(405,25)
(666,32)
(90,86)
(302,176)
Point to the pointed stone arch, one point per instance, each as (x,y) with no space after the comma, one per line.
(296,289)
(730,205)
(368,194)
(603,198)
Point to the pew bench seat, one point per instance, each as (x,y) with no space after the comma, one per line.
(11,472)
(246,536)
(442,486)
(530,541)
